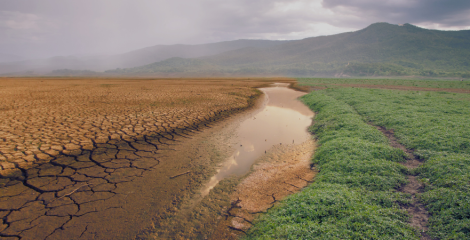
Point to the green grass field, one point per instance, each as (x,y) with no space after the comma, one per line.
(421,83)
(354,194)
(437,126)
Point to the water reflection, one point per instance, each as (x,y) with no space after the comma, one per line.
(282,120)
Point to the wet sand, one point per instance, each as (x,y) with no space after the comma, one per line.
(283,170)
(281,120)
(239,190)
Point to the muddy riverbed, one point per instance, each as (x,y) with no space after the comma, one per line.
(266,157)
(265,129)
(195,183)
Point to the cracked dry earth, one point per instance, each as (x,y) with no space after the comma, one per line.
(92,158)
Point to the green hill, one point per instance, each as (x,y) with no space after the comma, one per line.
(130,59)
(378,50)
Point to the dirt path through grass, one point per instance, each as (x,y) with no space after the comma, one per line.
(419,214)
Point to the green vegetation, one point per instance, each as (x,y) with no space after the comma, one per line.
(353,194)
(421,83)
(432,121)
(437,126)
(448,198)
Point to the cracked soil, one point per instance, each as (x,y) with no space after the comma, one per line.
(102,158)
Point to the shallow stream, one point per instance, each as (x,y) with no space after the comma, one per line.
(282,119)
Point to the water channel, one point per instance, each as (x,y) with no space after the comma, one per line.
(282,119)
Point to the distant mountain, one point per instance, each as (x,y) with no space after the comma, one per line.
(130,59)
(44,66)
(69,72)
(163,52)
(380,49)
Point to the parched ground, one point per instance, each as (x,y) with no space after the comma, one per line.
(41,119)
(96,158)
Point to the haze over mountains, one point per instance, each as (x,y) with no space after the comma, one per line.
(130,59)
(381,49)
(9,58)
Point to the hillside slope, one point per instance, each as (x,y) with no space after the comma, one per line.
(131,59)
(380,49)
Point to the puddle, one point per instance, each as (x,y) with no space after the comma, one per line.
(282,120)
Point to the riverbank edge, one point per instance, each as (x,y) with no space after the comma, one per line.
(220,198)
(354,193)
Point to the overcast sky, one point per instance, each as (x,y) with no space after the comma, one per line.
(44,28)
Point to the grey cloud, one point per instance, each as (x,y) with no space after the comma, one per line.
(57,27)
(449,13)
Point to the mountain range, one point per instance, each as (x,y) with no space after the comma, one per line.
(74,64)
(381,49)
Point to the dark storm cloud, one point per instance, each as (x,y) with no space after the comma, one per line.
(57,27)
(445,13)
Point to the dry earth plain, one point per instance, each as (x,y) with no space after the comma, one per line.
(88,158)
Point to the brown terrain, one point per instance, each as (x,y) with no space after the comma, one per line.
(284,171)
(229,209)
(107,158)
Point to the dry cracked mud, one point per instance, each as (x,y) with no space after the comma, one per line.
(93,158)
